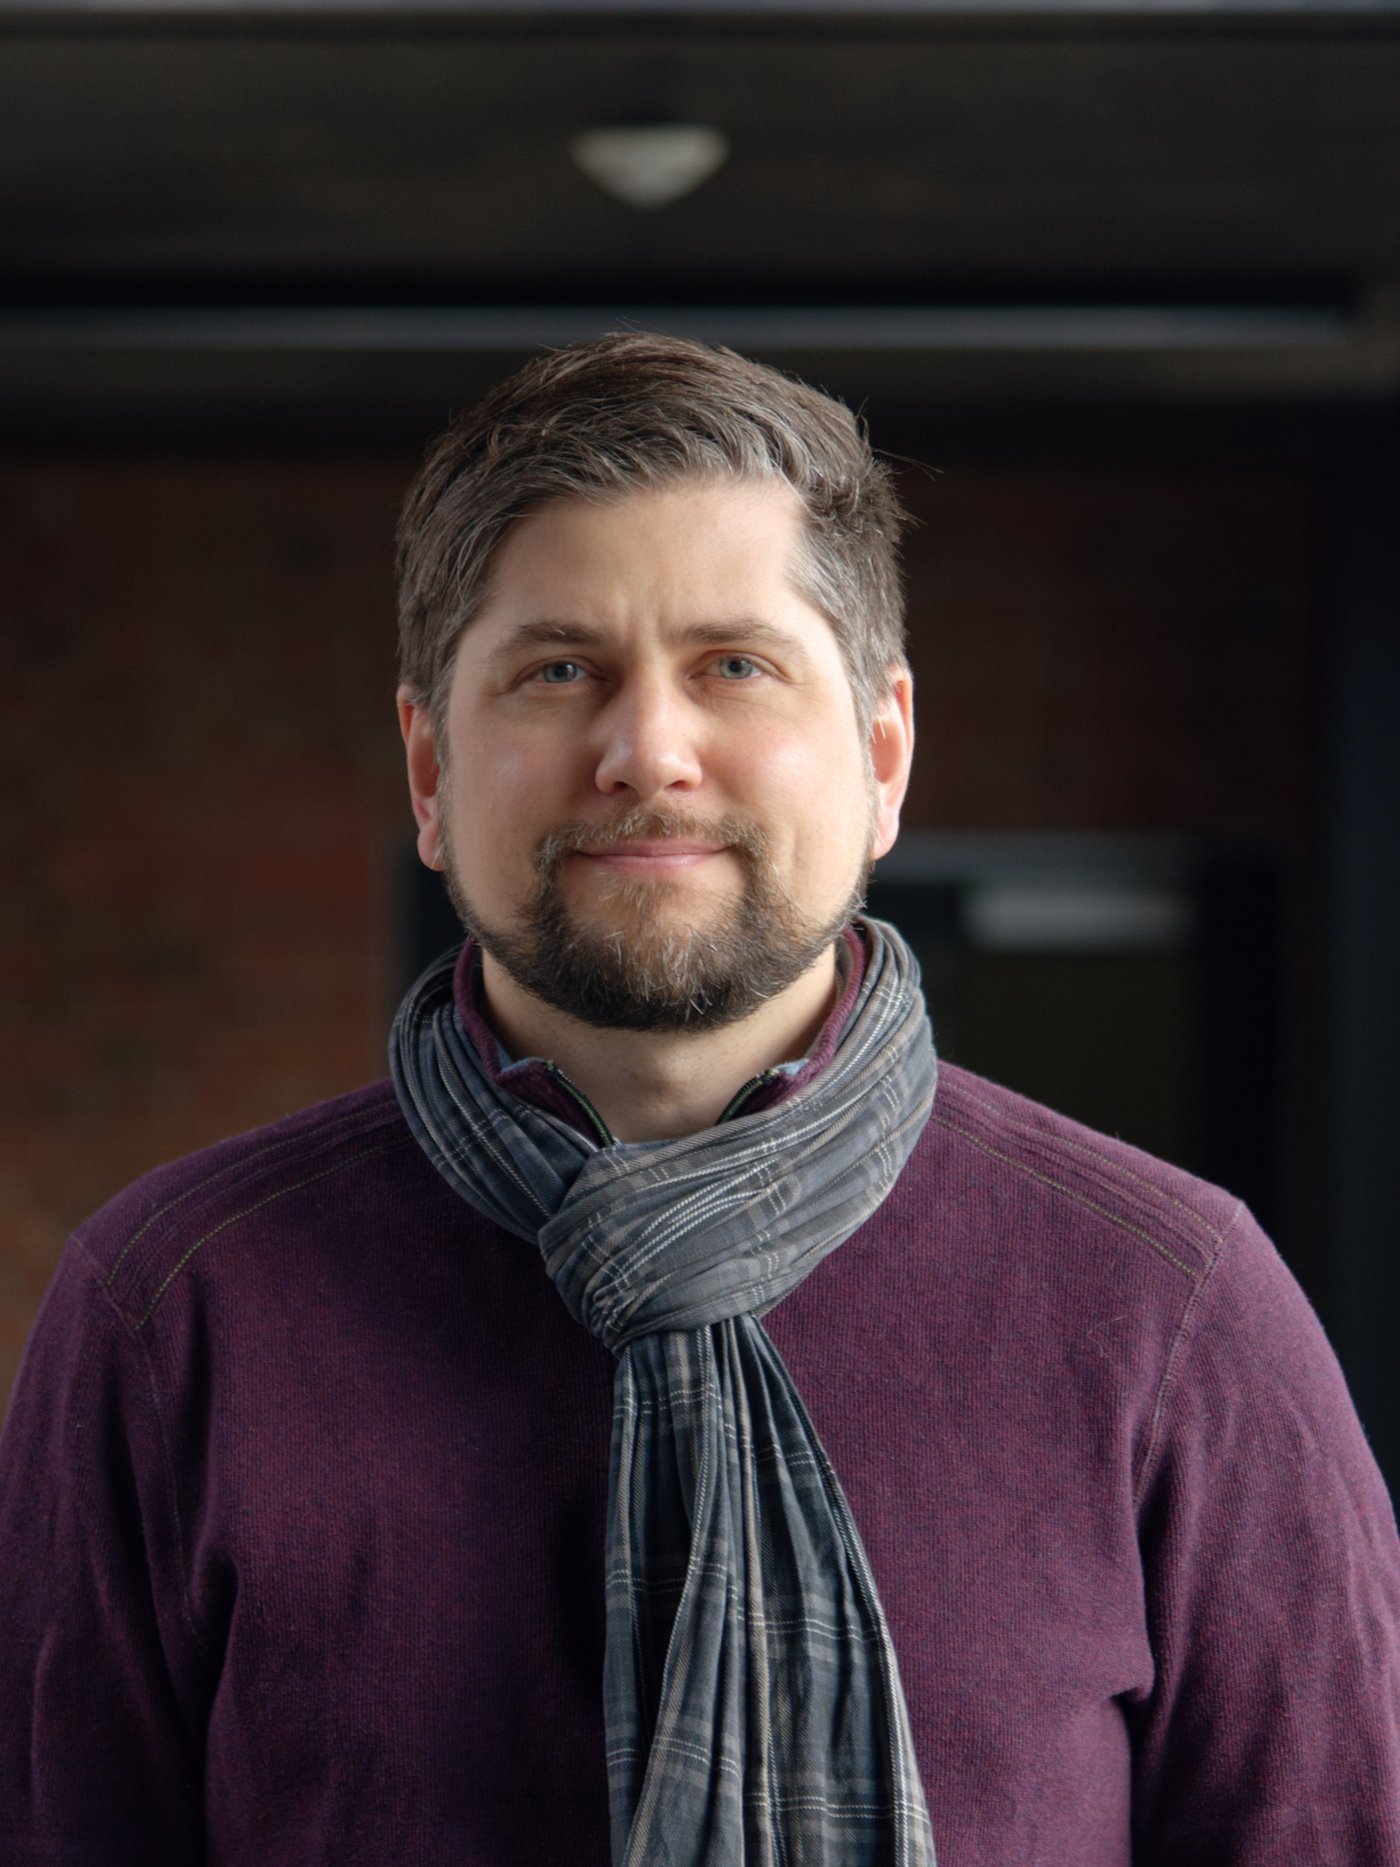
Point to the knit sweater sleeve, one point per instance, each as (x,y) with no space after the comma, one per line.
(99,1760)
(1273,1577)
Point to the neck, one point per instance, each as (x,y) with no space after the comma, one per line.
(657,1085)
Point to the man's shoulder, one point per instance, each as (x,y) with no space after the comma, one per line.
(1010,1153)
(325,1155)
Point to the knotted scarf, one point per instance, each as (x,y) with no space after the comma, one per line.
(753,1708)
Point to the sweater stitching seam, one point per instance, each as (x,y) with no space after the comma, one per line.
(1030,1132)
(1069,1192)
(244,1167)
(1169,1365)
(245,1212)
(131,1330)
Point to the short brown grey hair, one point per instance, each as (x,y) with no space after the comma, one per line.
(636,412)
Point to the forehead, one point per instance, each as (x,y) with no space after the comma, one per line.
(700,536)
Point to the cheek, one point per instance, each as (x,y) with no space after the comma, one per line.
(503,775)
(507,791)
(812,791)
(802,758)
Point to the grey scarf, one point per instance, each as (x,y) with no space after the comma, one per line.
(752,1700)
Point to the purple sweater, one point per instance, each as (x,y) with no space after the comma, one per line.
(302,1497)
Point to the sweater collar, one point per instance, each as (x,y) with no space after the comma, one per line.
(539,1081)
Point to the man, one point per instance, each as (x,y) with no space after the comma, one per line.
(667,1425)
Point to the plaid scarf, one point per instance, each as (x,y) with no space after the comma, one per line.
(752,1700)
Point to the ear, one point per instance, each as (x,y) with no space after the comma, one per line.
(891,757)
(424,775)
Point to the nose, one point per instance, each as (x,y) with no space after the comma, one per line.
(647,740)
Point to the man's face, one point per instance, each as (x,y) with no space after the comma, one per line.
(657,806)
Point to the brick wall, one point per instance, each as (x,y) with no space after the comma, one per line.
(203,797)
(201,783)
(1115,651)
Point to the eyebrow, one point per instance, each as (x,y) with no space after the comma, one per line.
(551,632)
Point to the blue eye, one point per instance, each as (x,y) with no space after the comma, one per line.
(559,673)
(728,664)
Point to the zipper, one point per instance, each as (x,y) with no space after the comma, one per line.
(605,1136)
(760,1081)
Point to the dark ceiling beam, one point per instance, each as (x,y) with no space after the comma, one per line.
(1289,12)
(987,328)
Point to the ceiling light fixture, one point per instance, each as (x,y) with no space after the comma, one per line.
(649,165)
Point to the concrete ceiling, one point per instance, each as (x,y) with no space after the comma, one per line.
(291,160)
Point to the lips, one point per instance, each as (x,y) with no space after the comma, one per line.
(653,851)
(651,858)
(644,842)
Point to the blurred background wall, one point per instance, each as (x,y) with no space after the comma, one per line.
(1119,287)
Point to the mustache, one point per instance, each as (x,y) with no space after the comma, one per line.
(643,823)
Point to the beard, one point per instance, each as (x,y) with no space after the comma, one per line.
(654,969)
